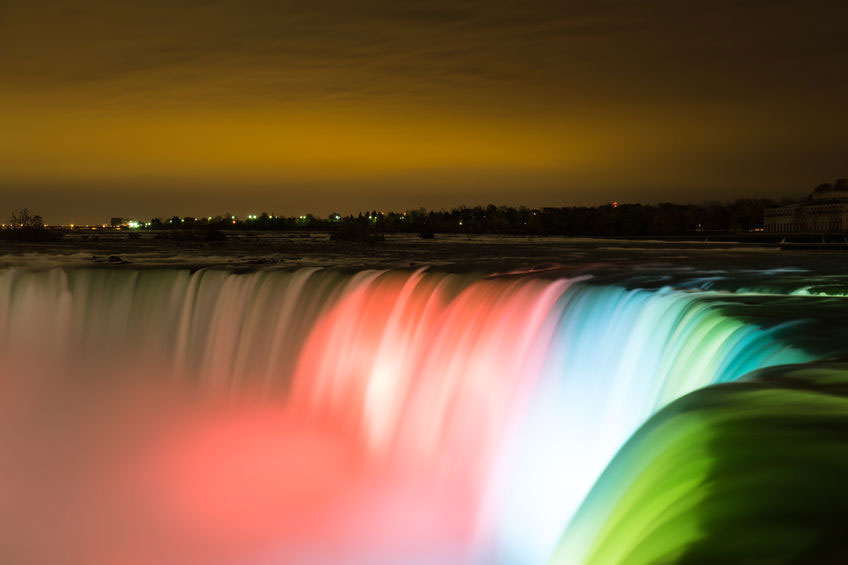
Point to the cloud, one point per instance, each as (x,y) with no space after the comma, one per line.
(593,88)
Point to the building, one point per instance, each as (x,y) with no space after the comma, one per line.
(824,211)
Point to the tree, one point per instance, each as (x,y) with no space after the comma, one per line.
(28,226)
(24,218)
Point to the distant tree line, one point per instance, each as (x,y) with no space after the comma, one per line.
(25,218)
(666,219)
(26,225)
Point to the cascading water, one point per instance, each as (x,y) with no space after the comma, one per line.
(315,416)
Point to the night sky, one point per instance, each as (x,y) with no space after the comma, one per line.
(183,107)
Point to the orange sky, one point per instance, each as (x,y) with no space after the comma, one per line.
(201,107)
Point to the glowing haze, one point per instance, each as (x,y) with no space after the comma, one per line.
(315,417)
(199,107)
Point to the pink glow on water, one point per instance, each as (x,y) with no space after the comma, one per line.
(378,450)
(259,479)
(425,380)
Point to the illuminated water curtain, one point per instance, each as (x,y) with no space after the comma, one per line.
(315,416)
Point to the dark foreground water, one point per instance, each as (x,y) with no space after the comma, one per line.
(461,401)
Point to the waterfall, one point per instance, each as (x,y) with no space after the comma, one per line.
(306,415)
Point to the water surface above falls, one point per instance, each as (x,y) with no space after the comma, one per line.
(273,415)
(448,252)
